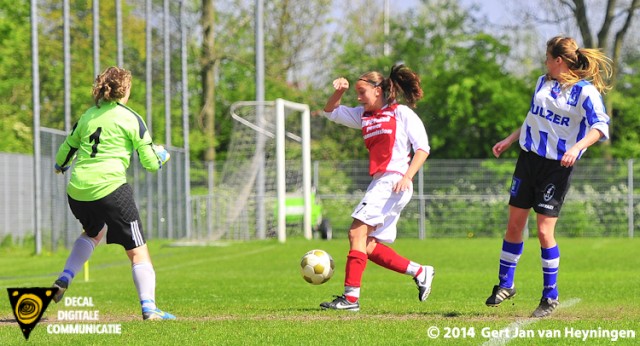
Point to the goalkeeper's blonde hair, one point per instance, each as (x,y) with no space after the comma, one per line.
(584,63)
(111,85)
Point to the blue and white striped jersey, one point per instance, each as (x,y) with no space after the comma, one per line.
(560,117)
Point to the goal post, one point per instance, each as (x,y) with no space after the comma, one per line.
(260,173)
(280,164)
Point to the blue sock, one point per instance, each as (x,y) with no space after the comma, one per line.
(508,260)
(550,265)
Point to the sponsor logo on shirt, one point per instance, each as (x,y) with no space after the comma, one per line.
(376,120)
(555,90)
(549,115)
(575,94)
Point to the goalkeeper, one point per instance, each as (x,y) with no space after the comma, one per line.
(103,141)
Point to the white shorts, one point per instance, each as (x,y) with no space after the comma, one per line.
(381,207)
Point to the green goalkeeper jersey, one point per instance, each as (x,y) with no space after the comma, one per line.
(103,141)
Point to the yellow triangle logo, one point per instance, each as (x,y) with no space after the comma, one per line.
(28,304)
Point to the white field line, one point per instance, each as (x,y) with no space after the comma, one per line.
(521,324)
(183,265)
(18,281)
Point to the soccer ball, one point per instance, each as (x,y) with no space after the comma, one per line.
(316,267)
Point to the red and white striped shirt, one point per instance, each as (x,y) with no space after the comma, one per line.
(390,134)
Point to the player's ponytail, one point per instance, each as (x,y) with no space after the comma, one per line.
(402,79)
(111,85)
(583,63)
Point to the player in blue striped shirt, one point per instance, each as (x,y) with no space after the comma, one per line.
(567,115)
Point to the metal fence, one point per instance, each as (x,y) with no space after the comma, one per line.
(452,198)
(468,198)
(161,197)
(457,198)
(16,197)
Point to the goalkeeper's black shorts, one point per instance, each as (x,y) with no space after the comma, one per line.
(118,211)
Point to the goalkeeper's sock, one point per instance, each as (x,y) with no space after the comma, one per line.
(356,263)
(144,277)
(80,253)
(550,264)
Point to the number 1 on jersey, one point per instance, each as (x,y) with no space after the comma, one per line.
(95,137)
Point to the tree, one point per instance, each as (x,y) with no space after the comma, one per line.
(15,65)
(288,27)
(15,77)
(627,100)
(470,100)
(611,35)
(293,41)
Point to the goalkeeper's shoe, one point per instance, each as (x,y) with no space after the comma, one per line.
(341,303)
(499,295)
(62,284)
(156,314)
(546,307)
(423,281)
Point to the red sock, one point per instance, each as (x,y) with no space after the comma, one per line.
(356,262)
(384,256)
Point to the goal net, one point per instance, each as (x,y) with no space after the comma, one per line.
(268,161)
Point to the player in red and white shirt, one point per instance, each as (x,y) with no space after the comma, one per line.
(391,132)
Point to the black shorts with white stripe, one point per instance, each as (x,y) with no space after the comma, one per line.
(118,211)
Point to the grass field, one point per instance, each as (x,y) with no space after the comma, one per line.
(252,294)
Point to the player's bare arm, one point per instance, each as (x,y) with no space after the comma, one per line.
(569,158)
(504,144)
(341,85)
(418,160)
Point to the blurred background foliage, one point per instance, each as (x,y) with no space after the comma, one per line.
(478,77)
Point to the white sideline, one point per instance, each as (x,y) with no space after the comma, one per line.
(520,324)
